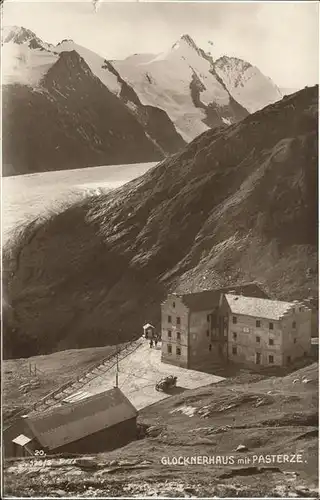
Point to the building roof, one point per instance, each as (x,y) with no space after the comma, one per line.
(259,308)
(147,325)
(22,440)
(202,301)
(72,421)
(209,299)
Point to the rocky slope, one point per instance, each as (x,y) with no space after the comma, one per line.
(237,204)
(268,416)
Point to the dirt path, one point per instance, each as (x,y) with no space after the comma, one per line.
(138,374)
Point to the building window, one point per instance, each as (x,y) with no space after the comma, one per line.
(294,324)
(178,351)
(178,320)
(169,319)
(271,359)
(174,304)
(208,318)
(270,326)
(288,359)
(258,323)
(169,334)
(258,358)
(294,341)
(258,340)
(234,350)
(178,336)
(271,342)
(234,335)
(208,333)
(210,347)
(234,320)
(169,347)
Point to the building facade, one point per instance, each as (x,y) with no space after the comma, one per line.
(202,330)
(194,327)
(267,332)
(175,332)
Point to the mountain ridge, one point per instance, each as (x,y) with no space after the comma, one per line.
(174,96)
(17,34)
(63,146)
(80,136)
(167,80)
(25,102)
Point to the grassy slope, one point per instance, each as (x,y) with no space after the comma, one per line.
(269,416)
(52,371)
(238,204)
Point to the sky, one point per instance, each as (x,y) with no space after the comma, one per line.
(281,38)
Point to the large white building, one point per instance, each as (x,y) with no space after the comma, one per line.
(239,325)
(267,332)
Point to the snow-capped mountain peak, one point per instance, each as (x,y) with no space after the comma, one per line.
(25,57)
(195,92)
(95,62)
(237,63)
(182,82)
(65,40)
(20,35)
(16,34)
(186,40)
(245,82)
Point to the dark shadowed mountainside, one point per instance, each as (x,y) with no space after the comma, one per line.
(72,120)
(237,204)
